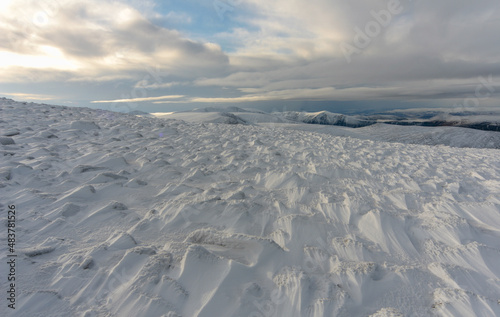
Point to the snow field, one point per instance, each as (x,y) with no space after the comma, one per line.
(126,216)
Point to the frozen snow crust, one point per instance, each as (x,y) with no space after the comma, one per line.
(119,215)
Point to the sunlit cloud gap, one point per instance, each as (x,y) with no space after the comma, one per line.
(28,96)
(140,99)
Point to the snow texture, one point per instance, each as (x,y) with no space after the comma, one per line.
(120,215)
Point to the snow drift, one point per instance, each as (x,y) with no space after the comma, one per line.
(133,216)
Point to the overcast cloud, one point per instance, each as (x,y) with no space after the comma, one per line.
(159,56)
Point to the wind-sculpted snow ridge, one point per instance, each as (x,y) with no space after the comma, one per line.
(120,215)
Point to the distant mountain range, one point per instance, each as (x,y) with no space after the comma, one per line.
(486,121)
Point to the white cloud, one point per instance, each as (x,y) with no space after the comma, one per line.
(293,50)
(98,39)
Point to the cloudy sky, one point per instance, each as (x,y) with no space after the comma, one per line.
(180,54)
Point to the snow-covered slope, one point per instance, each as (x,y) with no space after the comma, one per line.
(230,115)
(140,113)
(325,118)
(255,116)
(120,215)
(203,117)
(449,136)
(226,109)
